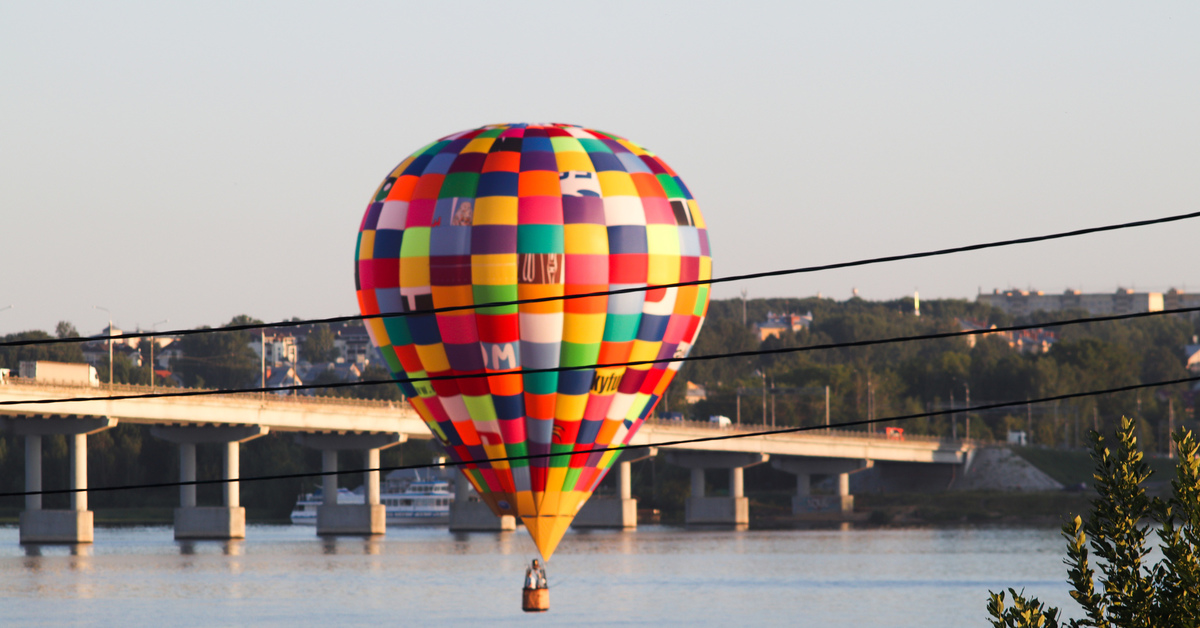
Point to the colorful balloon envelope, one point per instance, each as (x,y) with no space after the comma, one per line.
(523,211)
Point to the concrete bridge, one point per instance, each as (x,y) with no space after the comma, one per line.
(335,425)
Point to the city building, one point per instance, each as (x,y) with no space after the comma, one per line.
(1123,301)
(1192,356)
(340,371)
(278,348)
(353,344)
(279,377)
(1177,299)
(1024,341)
(695,392)
(776,324)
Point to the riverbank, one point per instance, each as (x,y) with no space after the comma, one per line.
(1048,508)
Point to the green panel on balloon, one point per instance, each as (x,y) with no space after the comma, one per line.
(435,147)
(480,408)
(639,403)
(459,184)
(541,383)
(571,479)
(575,354)
(594,146)
(495,294)
(561,460)
(397,330)
(670,186)
(566,145)
(478,475)
(416,242)
(393,362)
(621,327)
(516,450)
(540,239)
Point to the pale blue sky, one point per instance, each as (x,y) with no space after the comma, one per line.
(194,161)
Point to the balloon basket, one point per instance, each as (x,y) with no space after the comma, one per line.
(535,600)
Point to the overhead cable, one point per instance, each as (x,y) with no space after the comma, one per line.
(586,295)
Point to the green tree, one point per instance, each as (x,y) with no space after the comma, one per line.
(11,357)
(1130,595)
(218,360)
(318,347)
(123,371)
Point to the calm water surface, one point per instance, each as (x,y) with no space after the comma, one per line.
(285,576)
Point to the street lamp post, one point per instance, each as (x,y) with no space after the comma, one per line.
(826,409)
(764,378)
(967,414)
(110,346)
(165,320)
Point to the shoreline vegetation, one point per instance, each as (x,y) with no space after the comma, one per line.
(1107,559)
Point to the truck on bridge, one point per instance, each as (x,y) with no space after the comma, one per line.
(77,374)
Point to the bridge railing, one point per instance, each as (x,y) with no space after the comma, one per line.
(284,397)
(760,427)
(272,397)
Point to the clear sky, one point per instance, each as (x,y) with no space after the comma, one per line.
(194,161)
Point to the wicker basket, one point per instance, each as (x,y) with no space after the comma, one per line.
(535,600)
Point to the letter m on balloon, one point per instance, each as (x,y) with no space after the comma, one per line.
(500,356)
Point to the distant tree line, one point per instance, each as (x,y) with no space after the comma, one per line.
(910,377)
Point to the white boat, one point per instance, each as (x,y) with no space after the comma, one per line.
(408,499)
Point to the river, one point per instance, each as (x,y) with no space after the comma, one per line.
(286,576)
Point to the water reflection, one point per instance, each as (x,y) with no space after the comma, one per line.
(835,575)
(228,547)
(371,545)
(469,542)
(44,549)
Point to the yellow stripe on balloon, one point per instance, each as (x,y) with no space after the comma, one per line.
(495,210)
(433,357)
(494,270)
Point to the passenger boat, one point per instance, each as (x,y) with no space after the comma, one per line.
(408,499)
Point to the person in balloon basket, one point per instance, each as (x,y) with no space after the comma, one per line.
(535,576)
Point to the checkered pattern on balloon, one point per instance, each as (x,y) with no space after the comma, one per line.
(514,212)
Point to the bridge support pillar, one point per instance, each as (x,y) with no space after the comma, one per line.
(804,502)
(334,518)
(74,525)
(469,514)
(227,521)
(618,512)
(733,510)
(33,470)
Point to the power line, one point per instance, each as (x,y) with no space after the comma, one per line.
(567,297)
(560,369)
(670,443)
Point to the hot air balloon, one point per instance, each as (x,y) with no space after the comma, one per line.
(521,211)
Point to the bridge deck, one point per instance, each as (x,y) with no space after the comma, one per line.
(312,413)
